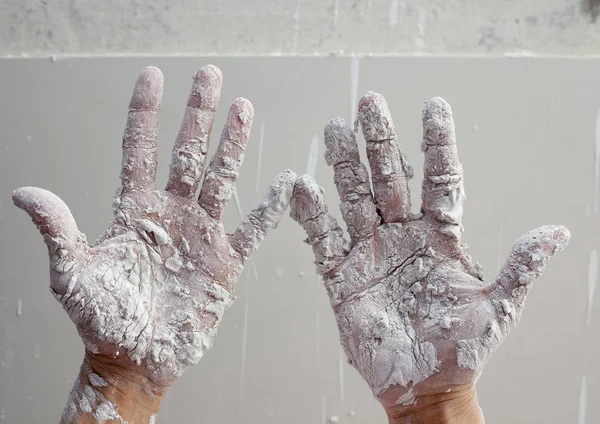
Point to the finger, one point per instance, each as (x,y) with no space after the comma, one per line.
(139,138)
(57,225)
(351,179)
(308,208)
(525,263)
(389,168)
(443,192)
(192,141)
(264,216)
(217,187)
(50,214)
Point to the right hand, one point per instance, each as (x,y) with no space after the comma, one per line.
(149,295)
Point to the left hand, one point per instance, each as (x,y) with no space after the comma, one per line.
(415,317)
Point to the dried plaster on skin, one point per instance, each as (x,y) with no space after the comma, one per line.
(382,345)
(85,398)
(134,294)
(401,290)
(146,290)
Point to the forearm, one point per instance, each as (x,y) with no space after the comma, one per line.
(448,408)
(107,394)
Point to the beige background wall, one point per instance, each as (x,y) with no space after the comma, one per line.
(58,27)
(528,136)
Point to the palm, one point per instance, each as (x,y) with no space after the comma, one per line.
(414,315)
(420,290)
(149,294)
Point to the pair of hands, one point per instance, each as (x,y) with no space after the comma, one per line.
(415,318)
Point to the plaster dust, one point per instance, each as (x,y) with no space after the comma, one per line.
(128,293)
(412,310)
(86,398)
(151,291)
(592,282)
(596,162)
(581,417)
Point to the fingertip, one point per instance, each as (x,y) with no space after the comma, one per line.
(17,196)
(147,93)
(287,176)
(306,182)
(438,124)
(209,72)
(371,98)
(335,125)
(153,70)
(339,141)
(206,88)
(375,118)
(25,197)
(560,235)
(244,111)
(437,106)
(546,240)
(281,189)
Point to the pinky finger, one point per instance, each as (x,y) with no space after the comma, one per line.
(264,216)
(525,263)
(308,208)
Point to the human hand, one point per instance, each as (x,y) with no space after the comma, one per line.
(415,317)
(148,295)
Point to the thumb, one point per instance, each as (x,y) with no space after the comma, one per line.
(57,225)
(526,262)
(50,214)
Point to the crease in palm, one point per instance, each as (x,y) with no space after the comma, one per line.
(415,316)
(150,293)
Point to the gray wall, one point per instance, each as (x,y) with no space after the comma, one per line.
(58,27)
(527,138)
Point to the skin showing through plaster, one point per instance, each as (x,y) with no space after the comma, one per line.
(149,294)
(414,314)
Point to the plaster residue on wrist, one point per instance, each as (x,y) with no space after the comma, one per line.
(86,399)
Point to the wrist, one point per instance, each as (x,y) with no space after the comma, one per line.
(105,392)
(456,406)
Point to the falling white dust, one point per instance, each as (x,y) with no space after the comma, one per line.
(596,162)
(393,13)
(499,253)
(582,401)
(592,280)
(317,331)
(341,373)
(19,307)
(336,11)
(420,37)
(324,410)
(238,205)
(253,269)
(313,155)
(296,23)
(354,76)
(261,142)
(244,349)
